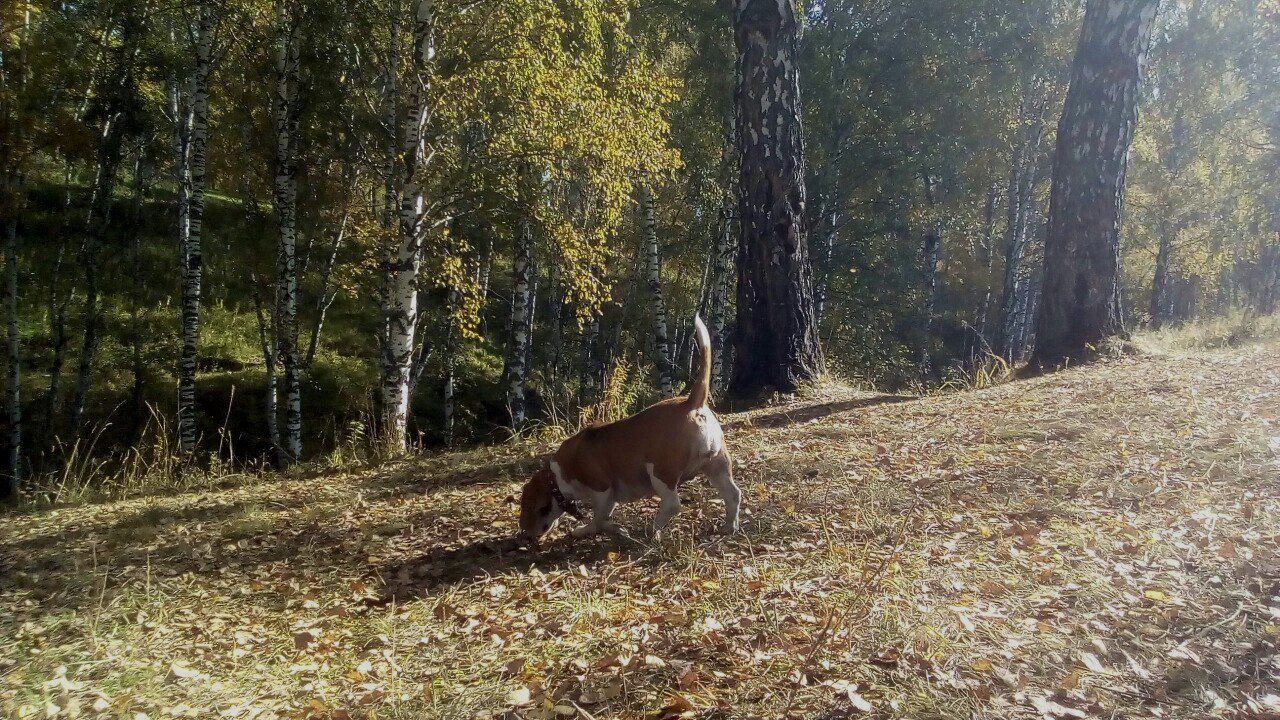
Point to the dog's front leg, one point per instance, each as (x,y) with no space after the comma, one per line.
(602,505)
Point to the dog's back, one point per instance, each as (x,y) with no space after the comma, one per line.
(675,436)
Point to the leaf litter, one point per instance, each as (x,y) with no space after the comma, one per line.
(1097,543)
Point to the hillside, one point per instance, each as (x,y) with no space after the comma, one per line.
(1103,542)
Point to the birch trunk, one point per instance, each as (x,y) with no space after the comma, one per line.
(286,206)
(13,365)
(1022,183)
(270,400)
(1080,307)
(657,307)
(454,301)
(518,350)
(931,251)
(589,379)
(324,299)
(191,183)
(776,338)
(826,247)
(988,260)
(401,298)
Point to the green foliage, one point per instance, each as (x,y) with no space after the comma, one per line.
(556,113)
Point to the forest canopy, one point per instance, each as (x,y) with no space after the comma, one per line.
(287,230)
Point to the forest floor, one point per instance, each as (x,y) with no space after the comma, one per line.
(1101,542)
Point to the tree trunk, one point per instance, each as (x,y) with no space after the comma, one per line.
(723,268)
(13,394)
(324,300)
(988,261)
(589,379)
(1080,307)
(191,182)
(270,394)
(657,307)
(1023,177)
(140,180)
(58,311)
(555,310)
(401,298)
(826,247)
(776,338)
(454,301)
(931,251)
(286,206)
(1160,310)
(99,219)
(518,350)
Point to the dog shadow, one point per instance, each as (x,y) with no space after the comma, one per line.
(414,578)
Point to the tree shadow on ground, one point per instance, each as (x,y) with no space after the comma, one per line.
(792,416)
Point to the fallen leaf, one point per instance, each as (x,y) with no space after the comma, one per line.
(519,697)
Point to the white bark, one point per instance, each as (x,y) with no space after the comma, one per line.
(401,298)
(657,306)
(454,300)
(191,139)
(286,206)
(518,351)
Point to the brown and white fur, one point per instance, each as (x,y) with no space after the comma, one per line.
(649,453)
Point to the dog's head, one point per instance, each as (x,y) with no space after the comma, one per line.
(539,510)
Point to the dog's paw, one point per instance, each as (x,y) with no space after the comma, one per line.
(584,531)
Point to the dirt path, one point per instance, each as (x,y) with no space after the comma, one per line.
(1096,543)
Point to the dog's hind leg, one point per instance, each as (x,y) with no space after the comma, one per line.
(670,501)
(719,470)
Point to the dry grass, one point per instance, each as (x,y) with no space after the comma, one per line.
(1097,543)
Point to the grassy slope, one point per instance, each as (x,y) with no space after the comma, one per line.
(1100,542)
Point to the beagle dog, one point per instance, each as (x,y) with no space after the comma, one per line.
(649,453)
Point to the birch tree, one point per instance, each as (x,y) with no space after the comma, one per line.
(931,251)
(1080,308)
(286,207)
(518,349)
(401,296)
(1023,177)
(657,307)
(190,112)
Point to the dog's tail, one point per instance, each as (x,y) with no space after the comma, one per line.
(701,387)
